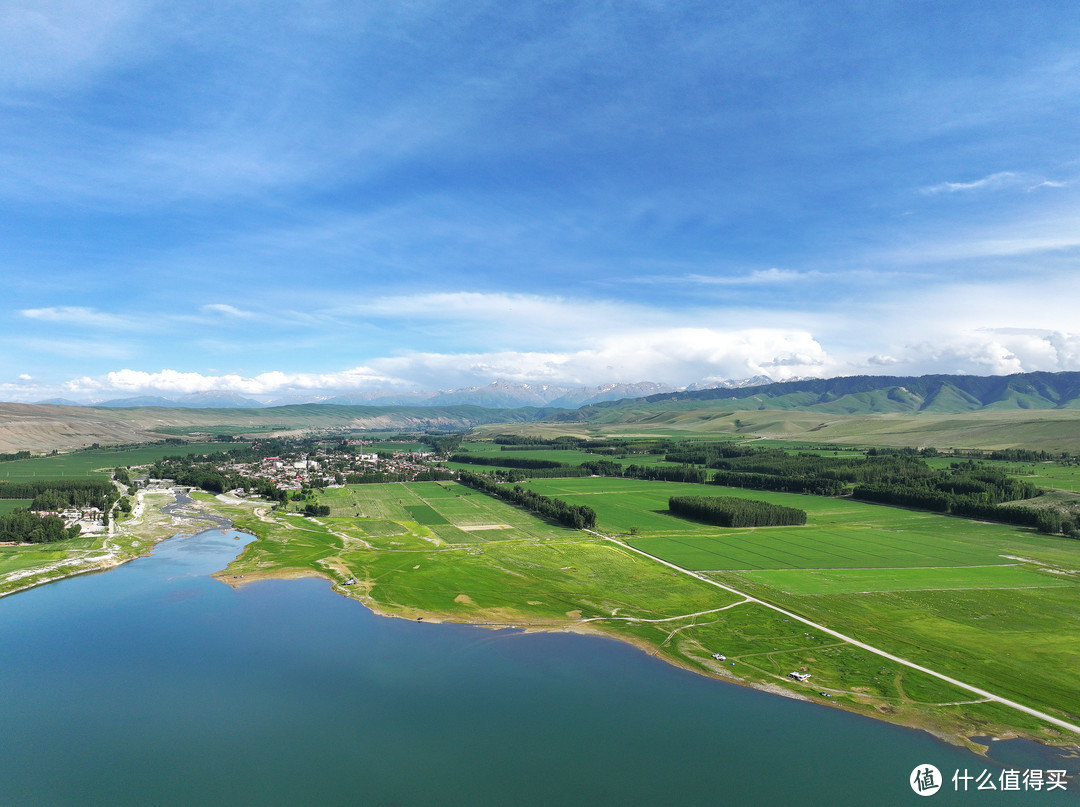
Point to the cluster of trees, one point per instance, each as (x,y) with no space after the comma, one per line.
(971,493)
(707,453)
(506,462)
(25,527)
(443,443)
(783,484)
(206,475)
(370,477)
(1009,454)
(729,511)
(614,445)
(570,515)
(57,494)
(18,455)
(818,468)
(666,473)
(312,509)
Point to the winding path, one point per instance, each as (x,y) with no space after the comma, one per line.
(981,692)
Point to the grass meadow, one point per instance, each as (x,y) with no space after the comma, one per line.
(8,505)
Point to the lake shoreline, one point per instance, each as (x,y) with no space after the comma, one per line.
(938,729)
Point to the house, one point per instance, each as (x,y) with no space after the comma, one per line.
(798,676)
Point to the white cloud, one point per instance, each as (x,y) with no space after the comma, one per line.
(173,381)
(77,315)
(756,277)
(227,310)
(998,181)
(673,356)
(1047,183)
(993,181)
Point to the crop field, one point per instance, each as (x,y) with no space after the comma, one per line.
(839,533)
(863,581)
(1048,475)
(8,505)
(83,464)
(1043,474)
(544,573)
(455,513)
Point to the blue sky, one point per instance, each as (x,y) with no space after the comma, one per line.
(300,199)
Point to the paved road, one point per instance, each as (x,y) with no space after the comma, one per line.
(982,692)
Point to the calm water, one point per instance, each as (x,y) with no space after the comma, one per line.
(153,684)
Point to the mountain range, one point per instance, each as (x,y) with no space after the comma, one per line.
(860,395)
(498,394)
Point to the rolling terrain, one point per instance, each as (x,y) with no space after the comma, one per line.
(1030,410)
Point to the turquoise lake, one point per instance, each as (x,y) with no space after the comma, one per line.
(154,684)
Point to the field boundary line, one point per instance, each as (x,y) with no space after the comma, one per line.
(877,651)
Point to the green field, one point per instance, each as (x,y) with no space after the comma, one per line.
(865,581)
(839,533)
(8,505)
(455,513)
(944,592)
(993,605)
(82,464)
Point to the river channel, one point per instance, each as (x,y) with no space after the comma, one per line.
(154,684)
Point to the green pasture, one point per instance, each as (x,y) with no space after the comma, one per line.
(862,581)
(453,512)
(204,431)
(83,464)
(839,533)
(8,505)
(535,579)
(13,558)
(1050,474)
(1020,643)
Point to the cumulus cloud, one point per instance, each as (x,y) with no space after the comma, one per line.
(173,381)
(987,351)
(674,356)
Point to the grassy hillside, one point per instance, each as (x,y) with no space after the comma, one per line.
(862,395)
(46,428)
(1047,429)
